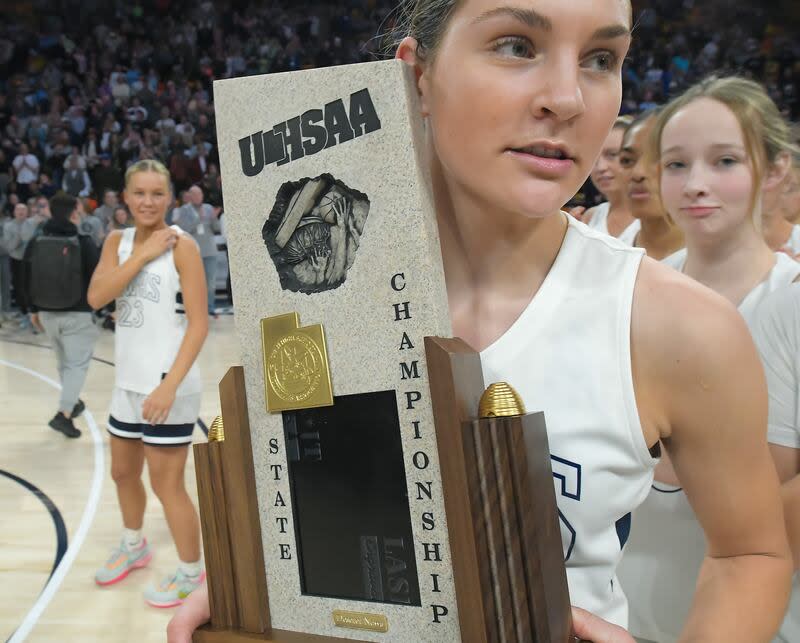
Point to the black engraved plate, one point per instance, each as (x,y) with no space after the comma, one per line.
(351,512)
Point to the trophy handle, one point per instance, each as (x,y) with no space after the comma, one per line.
(237,584)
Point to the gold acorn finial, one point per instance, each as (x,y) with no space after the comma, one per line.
(500,400)
(216,432)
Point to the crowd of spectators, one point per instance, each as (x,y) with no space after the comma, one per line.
(88,87)
(678,42)
(88,90)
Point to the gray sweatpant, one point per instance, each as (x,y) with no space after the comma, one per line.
(73,336)
(5,284)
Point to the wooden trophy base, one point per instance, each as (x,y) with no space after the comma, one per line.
(208,634)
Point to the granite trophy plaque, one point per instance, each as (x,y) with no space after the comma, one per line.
(350,491)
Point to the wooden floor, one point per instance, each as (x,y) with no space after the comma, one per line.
(45,475)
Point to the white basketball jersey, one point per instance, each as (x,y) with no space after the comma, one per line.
(676,260)
(150,324)
(569,355)
(599,222)
(629,234)
(661,562)
(776,332)
(793,244)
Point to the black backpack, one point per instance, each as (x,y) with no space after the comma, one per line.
(56,280)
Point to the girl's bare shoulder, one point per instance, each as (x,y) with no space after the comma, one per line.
(186,246)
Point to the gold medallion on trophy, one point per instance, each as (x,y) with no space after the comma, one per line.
(296,370)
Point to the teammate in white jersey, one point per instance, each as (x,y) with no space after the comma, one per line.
(776,331)
(156,276)
(518,99)
(612,217)
(657,234)
(720,146)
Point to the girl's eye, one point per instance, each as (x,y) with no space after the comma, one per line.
(626,161)
(602,61)
(674,165)
(515,47)
(727,161)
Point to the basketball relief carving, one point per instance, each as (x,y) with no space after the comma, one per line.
(313,233)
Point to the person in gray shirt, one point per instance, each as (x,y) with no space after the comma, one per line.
(32,223)
(16,234)
(105,212)
(201,220)
(69,326)
(90,225)
(5,274)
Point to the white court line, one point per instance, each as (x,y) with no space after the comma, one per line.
(32,617)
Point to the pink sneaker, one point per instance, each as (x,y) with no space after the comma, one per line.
(173,590)
(121,562)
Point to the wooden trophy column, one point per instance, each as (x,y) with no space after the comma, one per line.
(505,542)
(229,517)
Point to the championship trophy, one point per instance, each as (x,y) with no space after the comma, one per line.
(362,482)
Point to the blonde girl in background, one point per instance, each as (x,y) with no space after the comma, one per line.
(719,146)
(155,274)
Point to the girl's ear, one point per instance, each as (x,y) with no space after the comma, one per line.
(777,171)
(407,52)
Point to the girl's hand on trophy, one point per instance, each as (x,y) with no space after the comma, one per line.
(588,627)
(194,612)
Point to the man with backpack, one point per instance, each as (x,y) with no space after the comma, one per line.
(59,263)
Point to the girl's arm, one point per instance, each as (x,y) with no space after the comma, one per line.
(111,278)
(195,301)
(776,332)
(193,285)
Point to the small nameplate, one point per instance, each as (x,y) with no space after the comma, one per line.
(360,621)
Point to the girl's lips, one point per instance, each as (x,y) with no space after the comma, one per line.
(543,165)
(700,210)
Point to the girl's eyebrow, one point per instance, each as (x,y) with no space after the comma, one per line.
(528,17)
(536,20)
(610,32)
(715,146)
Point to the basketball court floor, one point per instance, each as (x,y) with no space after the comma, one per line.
(58,511)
